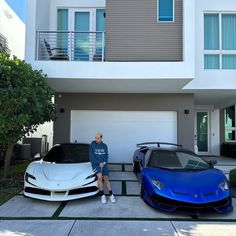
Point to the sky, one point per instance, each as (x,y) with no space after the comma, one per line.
(19,6)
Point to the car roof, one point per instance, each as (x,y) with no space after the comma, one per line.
(173,149)
(68,144)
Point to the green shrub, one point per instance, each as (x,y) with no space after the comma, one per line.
(232,178)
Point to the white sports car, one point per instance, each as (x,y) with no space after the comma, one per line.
(65,173)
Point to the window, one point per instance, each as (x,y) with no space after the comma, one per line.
(230,123)
(211,32)
(212,61)
(100,27)
(62,28)
(62,19)
(219,41)
(166,10)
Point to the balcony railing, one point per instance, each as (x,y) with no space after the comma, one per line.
(70,46)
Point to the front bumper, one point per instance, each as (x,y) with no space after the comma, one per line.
(220,206)
(60,195)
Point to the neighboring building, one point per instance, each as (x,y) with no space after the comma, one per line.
(12,29)
(137,70)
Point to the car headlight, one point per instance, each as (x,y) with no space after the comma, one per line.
(158,184)
(28,177)
(224,186)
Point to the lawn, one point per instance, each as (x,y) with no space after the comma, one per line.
(12,186)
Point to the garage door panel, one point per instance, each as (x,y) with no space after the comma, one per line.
(124,129)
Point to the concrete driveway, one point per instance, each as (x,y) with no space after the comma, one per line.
(129,216)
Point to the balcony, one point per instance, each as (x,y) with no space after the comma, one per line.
(79,62)
(70,46)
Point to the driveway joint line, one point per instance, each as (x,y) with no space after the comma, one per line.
(174,227)
(71,227)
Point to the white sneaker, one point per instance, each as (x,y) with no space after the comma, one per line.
(112,198)
(103,199)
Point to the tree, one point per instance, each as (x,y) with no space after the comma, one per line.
(25,103)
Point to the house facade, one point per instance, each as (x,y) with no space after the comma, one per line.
(137,71)
(12,31)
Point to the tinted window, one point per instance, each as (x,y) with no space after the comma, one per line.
(166,10)
(176,160)
(68,153)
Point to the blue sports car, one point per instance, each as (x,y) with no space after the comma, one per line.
(174,179)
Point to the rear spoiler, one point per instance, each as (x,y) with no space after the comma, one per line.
(158,144)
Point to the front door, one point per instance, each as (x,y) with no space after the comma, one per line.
(202,131)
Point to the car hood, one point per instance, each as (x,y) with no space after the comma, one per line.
(189,184)
(60,176)
(64,172)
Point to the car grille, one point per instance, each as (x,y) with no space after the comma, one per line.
(83,190)
(37,191)
(179,204)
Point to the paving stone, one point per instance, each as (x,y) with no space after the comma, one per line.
(116,187)
(35,227)
(129,167)
(132,187)
(125,207)
(114,167)
(205,228)
(19,206)
(122,176)
(117,228)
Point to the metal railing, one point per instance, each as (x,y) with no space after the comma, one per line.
(4,45)
(70,45)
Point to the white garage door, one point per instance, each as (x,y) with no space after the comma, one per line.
(122,130)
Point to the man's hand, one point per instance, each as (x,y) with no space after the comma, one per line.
(101,164)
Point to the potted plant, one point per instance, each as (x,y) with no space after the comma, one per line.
(232,181)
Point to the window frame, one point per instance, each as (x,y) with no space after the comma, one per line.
(220,51)
(233,128)
(173,20)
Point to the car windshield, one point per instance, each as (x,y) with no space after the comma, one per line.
(68,153)
(176,160)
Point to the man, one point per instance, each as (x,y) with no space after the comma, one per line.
(98,154)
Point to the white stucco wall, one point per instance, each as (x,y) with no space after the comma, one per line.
(45,129)
(12,27)
(210,79)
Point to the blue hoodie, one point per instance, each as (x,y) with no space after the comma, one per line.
(98,153)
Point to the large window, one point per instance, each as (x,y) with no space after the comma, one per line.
(62,28)
(230,123)
(219,41)
(166,10)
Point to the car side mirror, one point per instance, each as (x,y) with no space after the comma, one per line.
(212,162)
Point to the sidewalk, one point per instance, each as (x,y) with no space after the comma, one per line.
(115,228)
